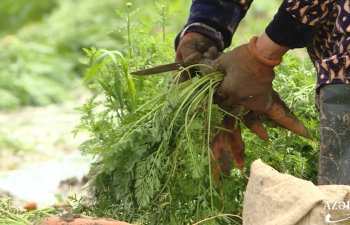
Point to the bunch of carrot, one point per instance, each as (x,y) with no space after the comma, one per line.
(170,152)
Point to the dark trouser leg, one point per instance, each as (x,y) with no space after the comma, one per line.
(334,162)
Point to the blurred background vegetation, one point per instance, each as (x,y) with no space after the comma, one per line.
(41,46)
(41,42)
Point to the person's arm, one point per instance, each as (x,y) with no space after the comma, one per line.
(249,67)
(293,26)
(296,22)
(269,49)
(215,19)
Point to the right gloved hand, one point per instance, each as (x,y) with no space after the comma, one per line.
(195,48)
(248,80)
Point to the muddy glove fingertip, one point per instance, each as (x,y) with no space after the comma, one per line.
(284,117)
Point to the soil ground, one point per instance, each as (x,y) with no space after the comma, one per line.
(39,160)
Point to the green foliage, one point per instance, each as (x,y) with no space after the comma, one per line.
(40,62)
(31,75)
(14,16)
(41,42)
(154,163)
(121,87)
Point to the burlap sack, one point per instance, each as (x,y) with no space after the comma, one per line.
(335,208)
(273,198)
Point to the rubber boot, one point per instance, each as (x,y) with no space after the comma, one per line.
(334,161)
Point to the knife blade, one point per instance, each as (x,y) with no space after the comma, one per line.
(159,69)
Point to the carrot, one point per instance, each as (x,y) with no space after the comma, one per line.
(253,122)
(235,141)
(80,220)
(30,206)
(222,162)
(283,116)
(228,149)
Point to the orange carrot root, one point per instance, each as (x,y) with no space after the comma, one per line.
(30,206)
(235,141)
(282,116)
(253,122)
(228,149)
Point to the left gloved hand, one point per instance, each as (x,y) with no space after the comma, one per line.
(248,80)
(195,48)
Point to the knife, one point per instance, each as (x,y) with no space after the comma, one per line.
(159,69)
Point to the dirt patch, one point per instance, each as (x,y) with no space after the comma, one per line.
(39,154)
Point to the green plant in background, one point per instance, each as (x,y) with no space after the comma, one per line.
(13,16)
(31,75)
(121,88)
(163,11)
(40,61)
(41,53)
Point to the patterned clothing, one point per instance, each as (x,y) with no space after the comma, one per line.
(330,47)
(323,26)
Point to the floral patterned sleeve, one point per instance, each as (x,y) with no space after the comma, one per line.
(323,26)
(216,19)
(308,12)
(296,21)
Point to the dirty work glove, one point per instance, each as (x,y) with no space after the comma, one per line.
(248,80)
(193,49)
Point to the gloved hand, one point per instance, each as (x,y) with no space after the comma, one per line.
(195,48)
(248,80)
(228,145)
